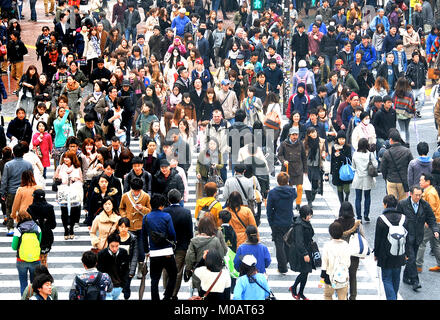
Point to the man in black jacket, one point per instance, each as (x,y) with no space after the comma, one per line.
(131,19)
(155,43)
(300,44)
(390,264)
(418,212)
(166,179)
(183,225)
(89,130)
(183,81)
(384,120)
(389,71)
(394,166)
(416,75)
(115,262)
(16,51)
(329,46)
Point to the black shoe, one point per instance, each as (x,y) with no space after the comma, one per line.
(298,207)
(367,219)
(416,286)
(407,281)
(418,115)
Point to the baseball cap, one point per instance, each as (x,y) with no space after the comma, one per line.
(302,64)
(249,260)
(182,10)
(294,130)
(199,60)
(339,61)
(164,163)
(225,82)
(125,83)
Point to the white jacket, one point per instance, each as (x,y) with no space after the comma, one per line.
(331,251)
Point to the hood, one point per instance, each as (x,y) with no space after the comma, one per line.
(285,192)
(424,160)
(205,201)
(201,241)
(28,225)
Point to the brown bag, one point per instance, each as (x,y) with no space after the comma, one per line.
(209,290)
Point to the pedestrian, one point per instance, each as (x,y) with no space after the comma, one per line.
(362,181)
(301,252)
(159,237)
(26,241)
(350,226)
(335,261)
(16,52)
(24,196)
(418,212)
(404,104)
(364,130)
(252,284)
(340,153)
(183,225)
(431,196)
(114,261)
(104,224)
(228,232)
(279,211)
(101,283)
(420,165)
(387,259)
(130,243)
(42,286)
(43,214)
(135,204)
(394,166)
(29,292)
(42,141)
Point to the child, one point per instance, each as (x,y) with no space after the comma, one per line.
(228,231)
(354,122)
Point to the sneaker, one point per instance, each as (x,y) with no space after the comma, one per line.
(76,226)
(435,269)
(52,13)
(298,207)
(283,273)
(14,92)
(10,233)
(367,219)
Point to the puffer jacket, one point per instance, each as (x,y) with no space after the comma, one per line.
(162,185)
(104,225)
(280,206)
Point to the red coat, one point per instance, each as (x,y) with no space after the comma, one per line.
(74,3)
(45,146)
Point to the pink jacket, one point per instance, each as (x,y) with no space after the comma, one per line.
(46,146)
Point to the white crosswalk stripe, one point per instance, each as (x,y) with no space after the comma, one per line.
(64,260)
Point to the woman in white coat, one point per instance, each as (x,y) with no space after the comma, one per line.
(362,182)
(363,130)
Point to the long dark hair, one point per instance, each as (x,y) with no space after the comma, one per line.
(402,87)
(272,97)
(235,201)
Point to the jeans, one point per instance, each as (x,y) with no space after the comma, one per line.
(366,203)
(215,5)
(32,4)
(114,294)
(157,264)
(23,268)
(404,128)
(330,61)
(281,249)
(391,282)
(130,31)
(141,252)
(419,97)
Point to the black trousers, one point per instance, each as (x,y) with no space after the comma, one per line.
(410,271)
(69,221)
(280,248)
(157,264)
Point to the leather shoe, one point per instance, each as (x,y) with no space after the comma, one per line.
(416,286)
(407,281)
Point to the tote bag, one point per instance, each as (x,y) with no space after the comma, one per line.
(358,245)
(346,172)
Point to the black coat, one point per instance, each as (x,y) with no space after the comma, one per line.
(416,222)
(117,267)
(383,121)
(183,225)
(44,215)
(21,129)
(95,202)
(300,44)
(163,186)
(301,246)
(114,183)
(337,162)
(381,244)
(398,170)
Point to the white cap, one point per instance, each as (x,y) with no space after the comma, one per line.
(302,64)
(249,260)
(182,10)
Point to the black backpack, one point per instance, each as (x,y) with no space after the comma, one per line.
(89,290)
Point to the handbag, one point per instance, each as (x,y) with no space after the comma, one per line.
(316,255)
(257,193)
(433,73)
(346,172)
(213,176)
(38,152)
(371,169)
(3,50)
(358,245)
(272,120)
(209,290)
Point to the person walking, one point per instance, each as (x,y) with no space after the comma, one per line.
(389,262)
(300,252)
(341,151)
(279,212)
(362,181)
(418,212)
(105,223)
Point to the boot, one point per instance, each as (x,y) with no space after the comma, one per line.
(346,196)
(341,196)
(140,267)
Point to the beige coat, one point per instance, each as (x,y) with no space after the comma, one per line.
(104,225)
(126,209)
(23,199)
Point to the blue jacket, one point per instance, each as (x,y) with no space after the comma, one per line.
(378,20)
(274,78)
(322,28)
(429,41)
(245,290)
(3,92)
(403,60)
(179,23)
(160,222)
(369,54)
(280,206)
(389,43)
(259,251)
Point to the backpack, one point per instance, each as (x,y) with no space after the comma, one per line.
(339,278)
(89,290)
(205,210)
(396,236)
(29,246)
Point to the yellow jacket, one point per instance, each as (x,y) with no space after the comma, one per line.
(430,195)
(207,202)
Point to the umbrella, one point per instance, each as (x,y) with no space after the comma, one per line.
(9,78)
(20,95)
(142,286)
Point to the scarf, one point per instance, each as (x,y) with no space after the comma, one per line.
(96,45)
(365,130)
(53,56)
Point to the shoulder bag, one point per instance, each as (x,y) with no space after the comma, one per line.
(371,169)
(358,245)
(209,290)
(404,182)
(271,295)
(272,120)
(251,202)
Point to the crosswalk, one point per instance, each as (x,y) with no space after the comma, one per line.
(64,260)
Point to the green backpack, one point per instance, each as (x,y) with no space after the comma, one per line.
(29,247)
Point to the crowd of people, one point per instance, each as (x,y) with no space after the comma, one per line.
(181,81)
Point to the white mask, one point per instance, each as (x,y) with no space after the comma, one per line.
(342,73)
(366,121)
(175,53)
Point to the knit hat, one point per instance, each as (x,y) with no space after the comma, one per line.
(39,194)
(353,94)
(301,84)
